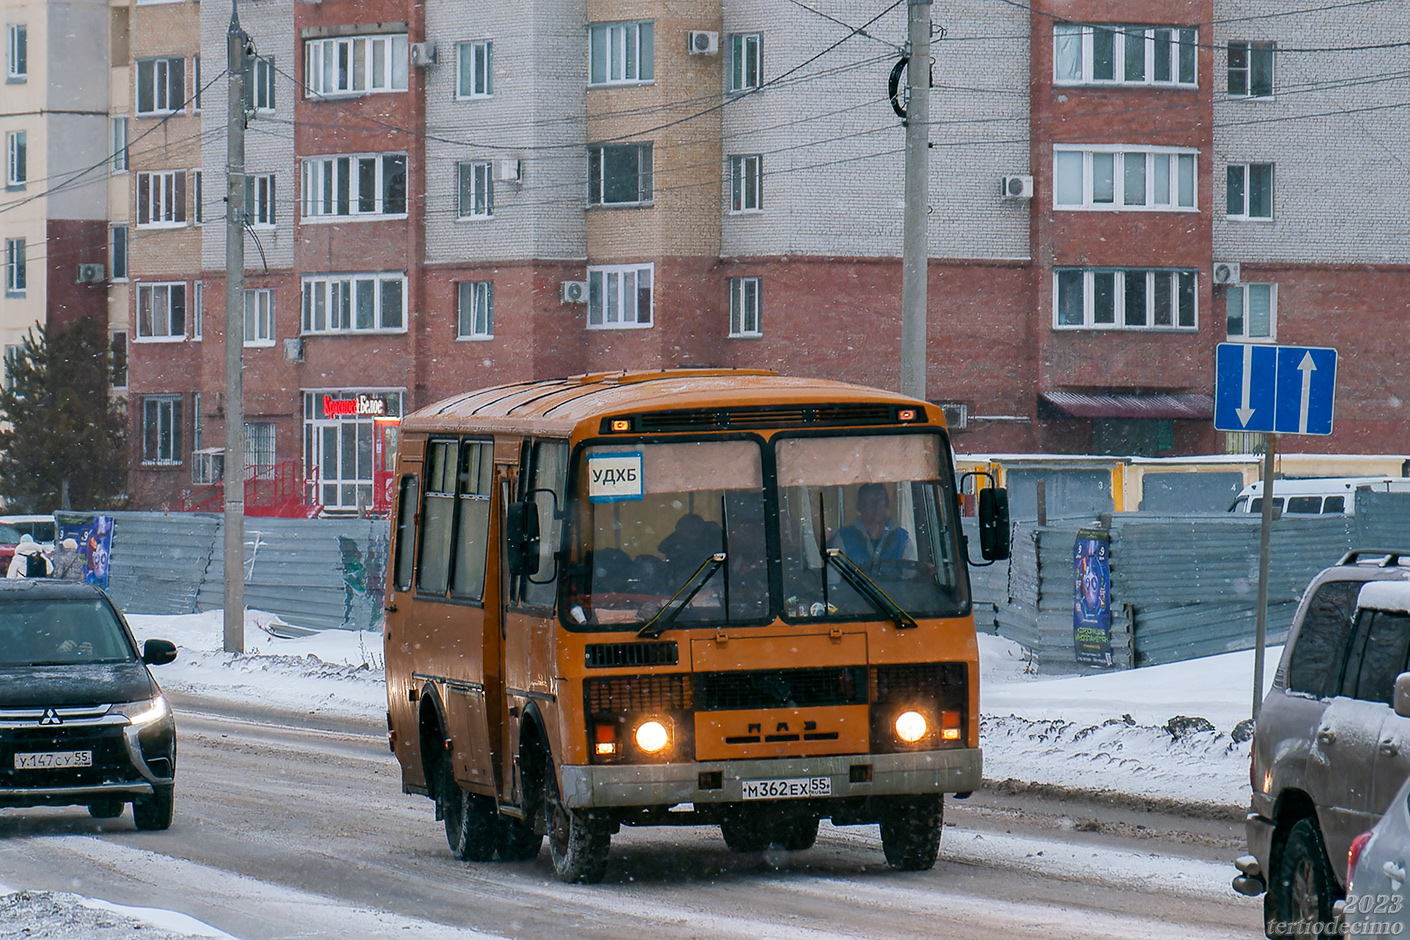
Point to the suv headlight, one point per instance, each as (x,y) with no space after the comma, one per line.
(141,714)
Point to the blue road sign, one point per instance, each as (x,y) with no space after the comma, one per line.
(1278,389)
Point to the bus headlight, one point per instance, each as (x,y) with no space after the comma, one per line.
(652,736)
(910,726)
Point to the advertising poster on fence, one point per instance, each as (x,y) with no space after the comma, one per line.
(84,548)
(1091,614)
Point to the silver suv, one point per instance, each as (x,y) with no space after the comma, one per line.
(1332,742)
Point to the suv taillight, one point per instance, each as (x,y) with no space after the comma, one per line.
(1353,855)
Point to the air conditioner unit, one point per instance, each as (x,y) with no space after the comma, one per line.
(91,274)
(1017,187)
(509,171)
(703,42)
(423,53)
(573,292)
(1226,272)
(294,349)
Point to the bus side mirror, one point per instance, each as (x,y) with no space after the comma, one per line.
(521,536)
(994,523)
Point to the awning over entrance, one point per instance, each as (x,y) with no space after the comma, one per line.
(1176,407)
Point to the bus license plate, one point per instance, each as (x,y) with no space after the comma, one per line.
(792,788)
(49,760)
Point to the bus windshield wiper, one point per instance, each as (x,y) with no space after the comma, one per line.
(684,595)
(866,587)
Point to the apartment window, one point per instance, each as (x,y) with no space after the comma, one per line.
(196,193)
(161,85)
(1252,311)
(119,145)
(619,296)
(161,311)
(14,359)
(476,77)
(118,352)
(161,198)
(1112,178)
(619,175)
(351,303)
(196,82)
(259,93)
(1250,191)
(16,159)
(370,184)
(17,59)
(744,306)
(621,53)
(118,252)
(1124,299)
(1128,55)
(259,448)
(161,430)
(15,276)
(745,68)
(355,65)
(475,311)
(476,190)
(259,317)
(259,200)
(198,308)
(746,183)
(1251,69)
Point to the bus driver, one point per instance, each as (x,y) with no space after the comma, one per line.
(873,541)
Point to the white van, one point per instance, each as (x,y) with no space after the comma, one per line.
(1329,495)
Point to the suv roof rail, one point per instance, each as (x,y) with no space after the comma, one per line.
(1390,557)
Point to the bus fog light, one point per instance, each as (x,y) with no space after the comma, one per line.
(651,736)
(910,727)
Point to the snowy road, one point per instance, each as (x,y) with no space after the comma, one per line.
(315,839)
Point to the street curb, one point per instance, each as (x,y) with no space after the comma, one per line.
(1194,809)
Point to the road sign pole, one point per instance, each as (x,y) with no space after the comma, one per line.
(1264,538)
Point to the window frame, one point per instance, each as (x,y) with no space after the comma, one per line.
(1182,43)
(480,191)
(260,200)
(1246,171)
(1252,51)
(474,310)
(625,45)
(474,61)
(121,159)
(16,267)
(745,70)
(746,172)
(600,285)
(16,159)
(1183,284)
(118,359)
(262,316)
(1245,292)
(198,309)
(598,165)
(260,92)
(1176,176)
(326,189)
(346,295)
(119,258)
(395,66)
(156,197)
(746,307)
(175,326)
(168,84)
(17,52)
(154,454)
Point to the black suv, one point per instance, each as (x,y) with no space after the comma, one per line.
(82,721)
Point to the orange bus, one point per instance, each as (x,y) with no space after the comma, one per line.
(689,596)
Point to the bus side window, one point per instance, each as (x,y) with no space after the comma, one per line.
(472,519)
(437,513)
(547,477)
(407,496)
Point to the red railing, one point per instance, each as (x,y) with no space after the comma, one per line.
(273,490)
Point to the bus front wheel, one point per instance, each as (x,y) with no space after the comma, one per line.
(910,832)
(577,840)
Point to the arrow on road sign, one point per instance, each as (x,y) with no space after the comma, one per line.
(1245,412)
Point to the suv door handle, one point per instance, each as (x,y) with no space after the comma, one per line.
(1326,736)
(1389,748)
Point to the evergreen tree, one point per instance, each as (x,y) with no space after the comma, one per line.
(63,443)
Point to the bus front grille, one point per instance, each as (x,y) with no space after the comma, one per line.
(791,688)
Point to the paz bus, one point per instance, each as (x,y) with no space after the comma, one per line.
(690,596)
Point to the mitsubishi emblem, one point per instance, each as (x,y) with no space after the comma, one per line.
(51,717)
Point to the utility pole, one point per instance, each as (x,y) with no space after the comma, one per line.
(915,247)
(237,63)
(1260,643)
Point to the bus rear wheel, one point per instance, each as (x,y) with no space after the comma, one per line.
(577,841)
(910,832)
(470,818)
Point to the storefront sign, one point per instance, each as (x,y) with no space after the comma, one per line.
(359,407)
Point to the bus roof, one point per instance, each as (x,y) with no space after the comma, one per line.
(559,406)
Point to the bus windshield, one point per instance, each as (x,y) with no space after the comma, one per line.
(695,522)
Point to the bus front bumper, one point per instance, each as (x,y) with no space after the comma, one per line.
(958,770)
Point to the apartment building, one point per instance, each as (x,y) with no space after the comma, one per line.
(54,124)
(443,196)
